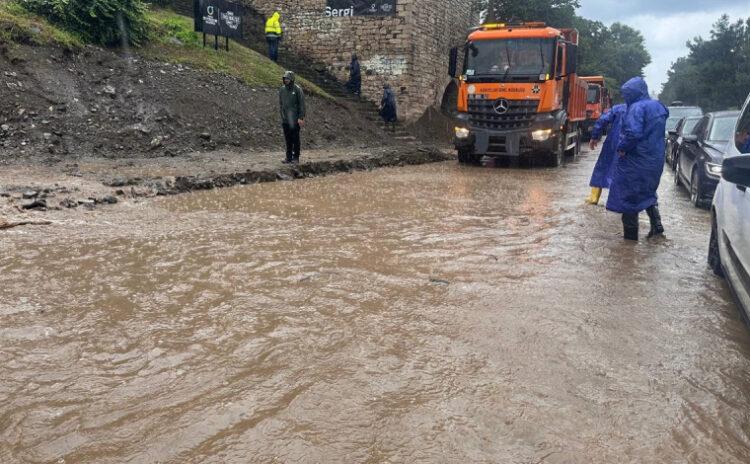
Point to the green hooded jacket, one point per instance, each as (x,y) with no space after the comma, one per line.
(291,102)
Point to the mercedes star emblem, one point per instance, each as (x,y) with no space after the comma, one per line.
(501,106)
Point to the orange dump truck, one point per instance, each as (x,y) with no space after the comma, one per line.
(519,94)
(598,102)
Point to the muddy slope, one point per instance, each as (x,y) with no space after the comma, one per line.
(61,106)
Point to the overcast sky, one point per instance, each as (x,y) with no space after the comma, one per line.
(665,24)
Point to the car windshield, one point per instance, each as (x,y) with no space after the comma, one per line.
(689,125)
(677,112)
(722,129)
(592,96)
(510,58)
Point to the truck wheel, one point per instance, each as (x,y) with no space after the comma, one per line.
(468,157)
(464,156)
(556,157)
(575,151)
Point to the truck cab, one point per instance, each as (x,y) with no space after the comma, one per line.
(598,102)
(518,93)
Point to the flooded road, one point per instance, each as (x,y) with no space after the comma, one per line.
(432,314)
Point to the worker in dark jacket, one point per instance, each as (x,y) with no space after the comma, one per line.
(641,160)
(388,109)
(601,178)
(292,107)
(355,76)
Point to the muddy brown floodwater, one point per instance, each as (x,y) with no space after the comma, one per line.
(432,314)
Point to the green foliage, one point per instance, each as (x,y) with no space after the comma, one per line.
(617,52)
(716,73)
(172,39)
(559,13)
(20,26)
(104,22)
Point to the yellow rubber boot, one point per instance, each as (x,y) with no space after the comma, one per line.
(596,194)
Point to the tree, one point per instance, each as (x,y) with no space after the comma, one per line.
(617,52)
(559,13)
(716,73)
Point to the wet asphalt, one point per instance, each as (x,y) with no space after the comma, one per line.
(437,313)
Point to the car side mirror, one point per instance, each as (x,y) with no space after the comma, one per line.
(673,133)
(690,138)
(736,170)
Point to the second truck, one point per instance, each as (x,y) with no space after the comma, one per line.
(598,102)
(519,94)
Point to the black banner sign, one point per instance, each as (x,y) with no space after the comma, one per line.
(219,17)
(343,8)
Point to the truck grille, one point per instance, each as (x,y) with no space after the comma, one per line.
(520,114)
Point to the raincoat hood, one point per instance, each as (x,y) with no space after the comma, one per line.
(276,16)
(634,90)
(290,75)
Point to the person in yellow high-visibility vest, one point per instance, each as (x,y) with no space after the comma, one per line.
(273,35)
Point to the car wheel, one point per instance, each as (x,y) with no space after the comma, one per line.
(696,192)
(714,258)
(677,174)
(675,160)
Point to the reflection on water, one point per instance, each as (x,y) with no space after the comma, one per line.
(427,314)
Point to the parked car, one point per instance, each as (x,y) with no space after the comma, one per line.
(677,112)
(729,249)
(701,153)
(674,139)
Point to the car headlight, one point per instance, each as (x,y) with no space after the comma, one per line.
(541,135)
(462,132)
(713,169)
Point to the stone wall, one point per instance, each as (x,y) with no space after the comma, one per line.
(409,50)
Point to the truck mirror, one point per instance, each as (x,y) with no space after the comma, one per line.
(453,64)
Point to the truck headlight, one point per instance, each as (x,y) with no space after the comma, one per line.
(541,135)
(713,169)
(462,133)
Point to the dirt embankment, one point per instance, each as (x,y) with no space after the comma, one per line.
(78,130)
(57,106)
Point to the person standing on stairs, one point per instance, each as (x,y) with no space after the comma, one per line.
(388,107)
(355,76)
(292,106)
(273,35)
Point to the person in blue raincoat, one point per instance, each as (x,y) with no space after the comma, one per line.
(641,160)
(601,178)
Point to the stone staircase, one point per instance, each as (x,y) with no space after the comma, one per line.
(254,39)
(337,89)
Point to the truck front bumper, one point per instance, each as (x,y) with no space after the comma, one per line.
(506,143)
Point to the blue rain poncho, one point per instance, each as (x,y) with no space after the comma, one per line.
(605,165)
(638,172)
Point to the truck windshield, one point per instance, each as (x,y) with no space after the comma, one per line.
(592,96)
(506,60)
